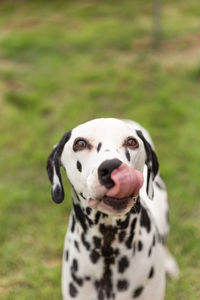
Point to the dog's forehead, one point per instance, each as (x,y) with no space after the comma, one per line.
(105,128)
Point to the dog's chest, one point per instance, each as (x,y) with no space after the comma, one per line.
(110,261)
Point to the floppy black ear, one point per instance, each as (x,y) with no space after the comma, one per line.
(151,162)
(53,169)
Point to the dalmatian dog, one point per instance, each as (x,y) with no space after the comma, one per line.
(115,245)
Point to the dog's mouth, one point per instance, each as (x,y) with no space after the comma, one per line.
(121,197)
(112,205)
(116,203)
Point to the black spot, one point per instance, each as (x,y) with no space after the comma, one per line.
(76,245)
(104,286)
(74,265)
(88,210)
(108,233)
(148,183)
(140,246)
(104,215)
(77,197)
(88,278)
(122,285)
(80,216)
(73,224)
(122,235)
(129,241)
(67,255)
(100,295)
(110,260)
(81,194)
(97,242)
(134,248)
(151,273)
(72,290)
(94,255)
(128,155)
(123,224)
(99,147)
(77,279)
(159,183)
(123,264)
(97,217)
(150,251)
(138,292)
(97,284)
(74,269)
(107,250)
(90,222)
(79,166)
(145,220)
(102,228)
(137,206)
(85,243)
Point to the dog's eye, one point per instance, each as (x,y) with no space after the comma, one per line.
(80,144)
(132,143)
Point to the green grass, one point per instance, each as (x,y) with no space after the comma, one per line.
(63,63)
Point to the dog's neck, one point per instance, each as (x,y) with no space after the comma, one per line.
(109,238)
(107,229)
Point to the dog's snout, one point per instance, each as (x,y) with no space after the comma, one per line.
(105,170)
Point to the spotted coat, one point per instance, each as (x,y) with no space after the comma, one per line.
(118,254)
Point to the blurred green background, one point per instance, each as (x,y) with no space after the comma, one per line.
(63,63)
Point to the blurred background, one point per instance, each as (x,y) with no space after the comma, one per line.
(65,62)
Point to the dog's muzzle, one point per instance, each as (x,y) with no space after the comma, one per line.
(122,185)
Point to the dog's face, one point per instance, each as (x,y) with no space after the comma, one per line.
(104,160)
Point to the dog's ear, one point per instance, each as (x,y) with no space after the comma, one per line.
(53,169)
(151,162)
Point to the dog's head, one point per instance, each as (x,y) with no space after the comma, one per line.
(104,161)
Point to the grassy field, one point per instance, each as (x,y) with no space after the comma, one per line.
(63,63)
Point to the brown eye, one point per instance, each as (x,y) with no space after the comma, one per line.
(132,143)
(80,144)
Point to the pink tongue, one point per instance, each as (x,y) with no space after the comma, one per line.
(127,182)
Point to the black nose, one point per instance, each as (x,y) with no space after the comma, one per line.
(105,170)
